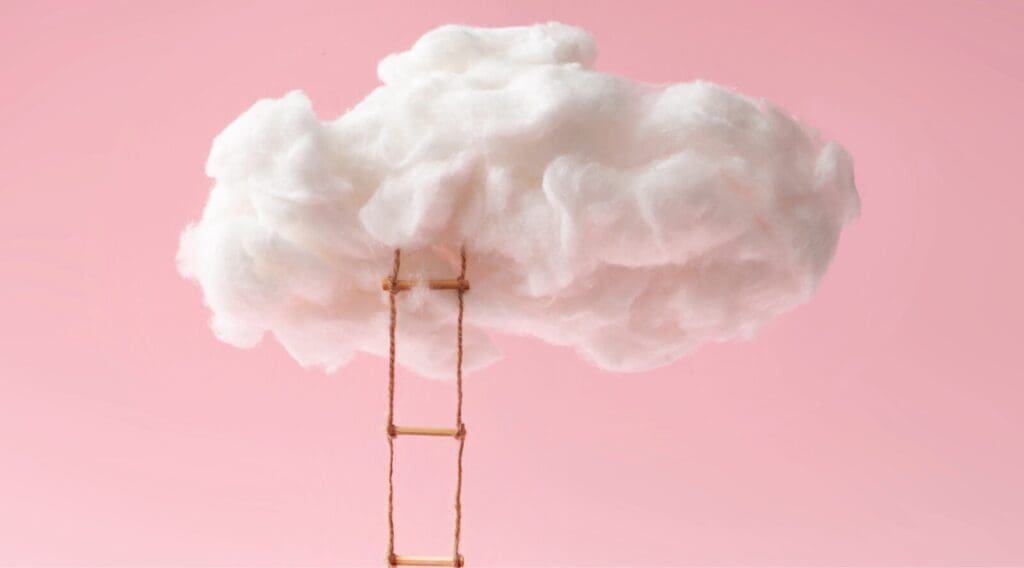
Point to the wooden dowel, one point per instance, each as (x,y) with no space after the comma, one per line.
(427,561)
(421,431)
(443,284)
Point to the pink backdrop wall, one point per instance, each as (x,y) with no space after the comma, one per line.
(881,424)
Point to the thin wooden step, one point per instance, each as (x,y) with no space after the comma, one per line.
(422,431)
(443,284)
(456,562)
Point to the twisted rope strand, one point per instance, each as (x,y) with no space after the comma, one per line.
(392,296)
(458,409)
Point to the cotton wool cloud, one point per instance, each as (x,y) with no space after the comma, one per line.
(628,221)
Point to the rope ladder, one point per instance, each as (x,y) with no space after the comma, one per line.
(393,286)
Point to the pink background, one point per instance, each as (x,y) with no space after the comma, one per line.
(880,424)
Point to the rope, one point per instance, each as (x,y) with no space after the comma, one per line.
(396,263)
(461,428)
(458,409)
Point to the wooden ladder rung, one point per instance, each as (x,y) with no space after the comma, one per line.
(457,562)
(421,431)
(443,284)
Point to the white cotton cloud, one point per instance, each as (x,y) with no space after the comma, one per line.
(631,222)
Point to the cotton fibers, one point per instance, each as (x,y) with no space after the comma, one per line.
(629,221)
